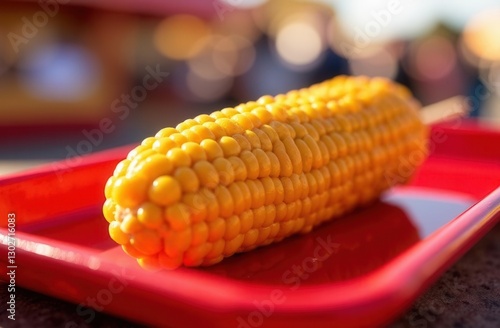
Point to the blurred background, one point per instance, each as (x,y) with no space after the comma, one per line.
(81,76)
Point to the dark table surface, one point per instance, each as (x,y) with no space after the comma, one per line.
(466,295)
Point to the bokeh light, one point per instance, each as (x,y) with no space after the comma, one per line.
(379,62)
(207,89)
(243,3)
(176,36)
(432,58)
(59,71)
(299,44)
(481,35)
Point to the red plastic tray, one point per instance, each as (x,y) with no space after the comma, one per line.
(361,270)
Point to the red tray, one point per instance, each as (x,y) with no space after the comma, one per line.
(361,270)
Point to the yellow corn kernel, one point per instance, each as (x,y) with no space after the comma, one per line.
(207,174)
(251,164)
(212,149)
(108,209)
(230,147)
(165,190)
(178,157)
(117,234)
(225,171)
(216,229)
(150,215)
(163,145)
(130,191)
(195,151)
(187,178)
(147,242)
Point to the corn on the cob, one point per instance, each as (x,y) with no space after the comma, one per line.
(254,174)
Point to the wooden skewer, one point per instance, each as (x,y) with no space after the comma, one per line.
(444,110)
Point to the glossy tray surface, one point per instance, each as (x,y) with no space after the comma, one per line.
(362,269)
